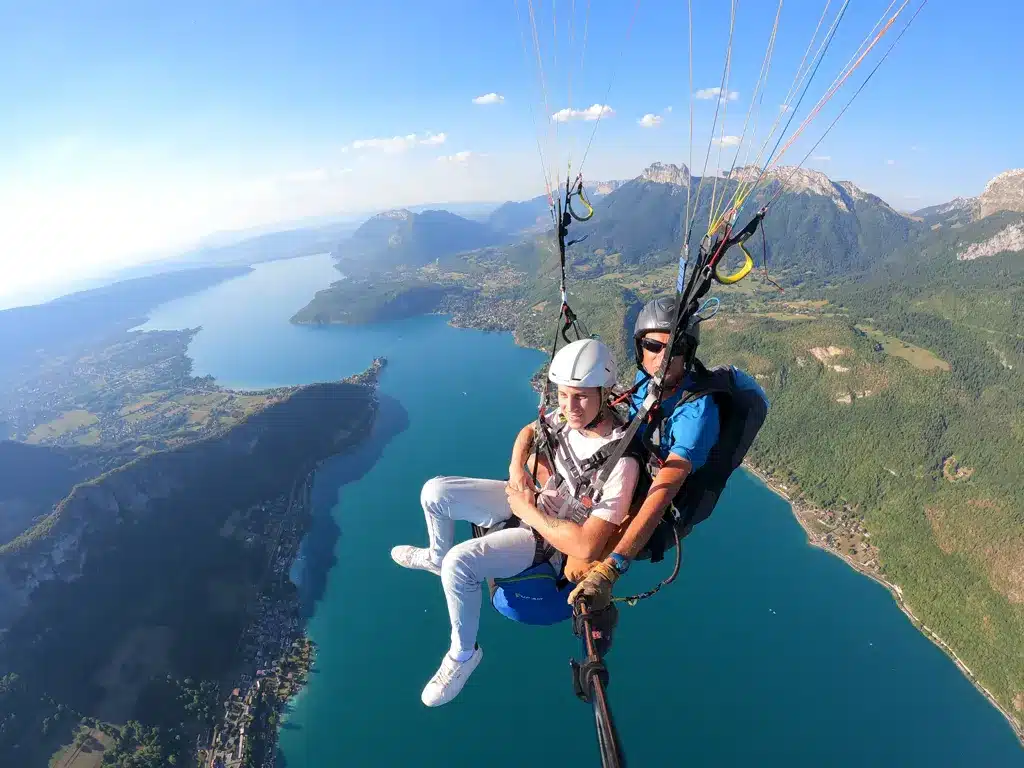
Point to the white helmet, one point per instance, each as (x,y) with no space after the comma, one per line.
(583,363)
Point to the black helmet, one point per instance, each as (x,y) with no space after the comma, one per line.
(658,315)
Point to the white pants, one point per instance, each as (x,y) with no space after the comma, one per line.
(466,565)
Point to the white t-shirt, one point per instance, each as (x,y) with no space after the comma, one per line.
(618,489)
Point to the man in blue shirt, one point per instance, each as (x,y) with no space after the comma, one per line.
(686,434)
(688,431)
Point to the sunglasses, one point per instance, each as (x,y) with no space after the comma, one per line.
(652,345)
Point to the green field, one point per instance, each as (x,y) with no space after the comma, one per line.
(916,356)
(69,421)
(86,751)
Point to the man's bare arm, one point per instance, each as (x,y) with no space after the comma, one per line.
(584,541)
(664,487)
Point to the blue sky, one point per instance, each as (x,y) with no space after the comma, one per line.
(136,128)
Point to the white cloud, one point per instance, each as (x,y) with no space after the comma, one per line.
(716,93)
(916,148)
(593,112)
(890,162)
(822,158)
(397,143)
(650,120)
(459,157)
(726,141)
(489,98)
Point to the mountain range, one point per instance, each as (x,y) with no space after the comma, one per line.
(817,232)
(535,214)
(817,228)
(401,237)
(815,225)
(893,362)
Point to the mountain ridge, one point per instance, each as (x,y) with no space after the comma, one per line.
(400,237)
(1003,192)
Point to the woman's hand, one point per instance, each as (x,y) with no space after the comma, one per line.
(518,478)
(519,501)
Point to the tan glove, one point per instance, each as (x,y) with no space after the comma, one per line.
(596,587)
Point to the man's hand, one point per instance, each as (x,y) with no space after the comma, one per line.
(575,568)
(596,587)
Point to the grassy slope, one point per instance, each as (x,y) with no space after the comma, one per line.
(955,548)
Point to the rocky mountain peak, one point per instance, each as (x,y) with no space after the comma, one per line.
(853,190)
(958,204)
(1003,193)
(667,173)
(603,187)
(398,214)
(746,173)
(792,178)
(799,180)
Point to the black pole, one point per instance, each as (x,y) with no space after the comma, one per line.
(589,681)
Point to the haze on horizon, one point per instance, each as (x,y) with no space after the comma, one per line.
(140,131)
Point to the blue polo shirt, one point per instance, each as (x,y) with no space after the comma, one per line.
(689,430)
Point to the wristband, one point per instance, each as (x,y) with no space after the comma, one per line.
(619,563)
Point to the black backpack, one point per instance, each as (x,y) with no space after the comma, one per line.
(742,408)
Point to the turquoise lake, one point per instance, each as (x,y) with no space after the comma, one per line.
(766,651)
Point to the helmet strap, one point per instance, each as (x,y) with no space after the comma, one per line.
(601,416)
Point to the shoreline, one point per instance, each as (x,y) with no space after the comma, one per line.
(1016,725)
(897,594)
(261,696)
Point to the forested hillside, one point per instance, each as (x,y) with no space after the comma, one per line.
(890,347)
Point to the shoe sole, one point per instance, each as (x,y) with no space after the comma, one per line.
(412,567)
(479,656)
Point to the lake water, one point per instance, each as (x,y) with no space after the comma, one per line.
(765,651)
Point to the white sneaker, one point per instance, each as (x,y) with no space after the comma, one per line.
(449,679)
(415,557)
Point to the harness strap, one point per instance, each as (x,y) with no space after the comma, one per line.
(582,472)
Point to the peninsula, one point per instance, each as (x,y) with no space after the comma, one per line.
(163,581)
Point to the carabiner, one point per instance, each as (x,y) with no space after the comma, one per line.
(579,193)
(735,277)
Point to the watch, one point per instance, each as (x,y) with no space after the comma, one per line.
(619,563)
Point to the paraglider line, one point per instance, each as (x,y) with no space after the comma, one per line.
(861,88)
(611,80)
